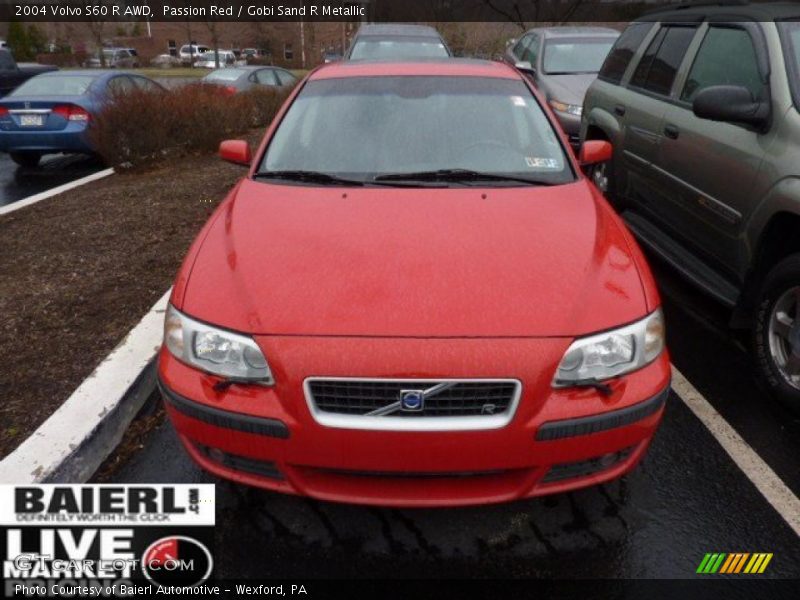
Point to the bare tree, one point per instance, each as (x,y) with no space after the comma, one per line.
(97,32)
(214,32)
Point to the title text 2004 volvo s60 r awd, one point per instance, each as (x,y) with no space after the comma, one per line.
(415,299)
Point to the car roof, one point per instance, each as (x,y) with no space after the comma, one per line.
(575,31)
(732,9)
(398,29)
(442,67)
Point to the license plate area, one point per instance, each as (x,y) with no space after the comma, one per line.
(31,120)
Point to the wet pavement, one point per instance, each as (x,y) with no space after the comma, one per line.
(17,182)
(685,499)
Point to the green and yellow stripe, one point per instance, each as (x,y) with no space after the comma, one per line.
(734,562)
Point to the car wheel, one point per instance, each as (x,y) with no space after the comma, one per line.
(26,159)
(776,332)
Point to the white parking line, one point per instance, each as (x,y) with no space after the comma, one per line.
(53,192)
(98,401)
(757,471)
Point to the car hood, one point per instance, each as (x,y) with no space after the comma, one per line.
(520,262)
(570,89)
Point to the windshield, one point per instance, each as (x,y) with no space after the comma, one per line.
(225,75)
(54,85)
(360,128)
(382,48)
(575,56)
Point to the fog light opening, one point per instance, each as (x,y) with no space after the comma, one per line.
(234,462)
(590,466)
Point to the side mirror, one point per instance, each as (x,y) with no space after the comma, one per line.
(595,151)
(236,152)
(730,103)
(525,66)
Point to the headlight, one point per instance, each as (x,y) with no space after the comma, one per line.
(217,351)
(572,109)
(613,353)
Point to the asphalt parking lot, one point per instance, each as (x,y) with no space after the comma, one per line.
(17,183)
(687,498)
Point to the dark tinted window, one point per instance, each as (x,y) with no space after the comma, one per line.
(726,57)
(621,54)
(531,53)
(656,71)
(519,47)
(790,36)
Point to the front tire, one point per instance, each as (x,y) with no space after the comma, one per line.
(26,159)
(776,332)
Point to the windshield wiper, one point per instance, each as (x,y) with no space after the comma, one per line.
(324,178)
(458,175)
(308,177)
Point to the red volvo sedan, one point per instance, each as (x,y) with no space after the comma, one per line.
(415,298)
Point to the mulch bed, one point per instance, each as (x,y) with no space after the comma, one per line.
(79,270)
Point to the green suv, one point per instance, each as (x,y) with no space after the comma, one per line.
(702,106)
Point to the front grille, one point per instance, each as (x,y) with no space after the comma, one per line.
(360,397)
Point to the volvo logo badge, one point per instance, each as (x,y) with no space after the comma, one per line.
(412,400)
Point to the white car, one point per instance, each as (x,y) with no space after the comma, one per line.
(226,59)
(191,52)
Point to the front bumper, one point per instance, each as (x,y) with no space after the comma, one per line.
(558,440)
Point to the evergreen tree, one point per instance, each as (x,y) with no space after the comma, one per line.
(37,42)
(18,41)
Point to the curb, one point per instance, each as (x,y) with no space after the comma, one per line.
(74,441)
(9,208)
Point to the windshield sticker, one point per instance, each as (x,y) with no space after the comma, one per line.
(542,163)
(518,100)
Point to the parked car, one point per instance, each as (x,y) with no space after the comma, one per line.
(463,294)
(562,62)
(166,61)
(3,44)
(192,52)
(115,58)
(250,53)
(13,74)
(209,60)
(702,109)
(50,113)
(388,41)
(241,79)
